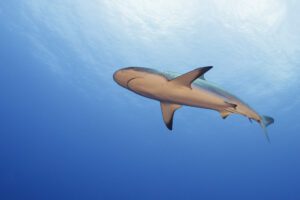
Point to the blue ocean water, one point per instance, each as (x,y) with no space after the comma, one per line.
(68,131)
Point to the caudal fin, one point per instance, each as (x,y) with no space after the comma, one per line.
(266,121)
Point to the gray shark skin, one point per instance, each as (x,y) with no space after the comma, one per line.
(189,89)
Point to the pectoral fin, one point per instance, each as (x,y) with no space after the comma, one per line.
(168,110)
(187,78)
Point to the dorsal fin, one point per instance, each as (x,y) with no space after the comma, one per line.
(168,110)
(187,78)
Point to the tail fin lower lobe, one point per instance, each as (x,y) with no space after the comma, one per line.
(266,121)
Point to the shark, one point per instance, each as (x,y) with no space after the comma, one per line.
(175,90)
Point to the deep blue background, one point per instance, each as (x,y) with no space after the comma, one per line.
(69,132)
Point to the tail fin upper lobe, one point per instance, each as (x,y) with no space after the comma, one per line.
(266,120)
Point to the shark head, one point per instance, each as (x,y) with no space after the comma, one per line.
(125,75)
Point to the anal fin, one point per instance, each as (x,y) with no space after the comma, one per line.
(224,114)
(168,110)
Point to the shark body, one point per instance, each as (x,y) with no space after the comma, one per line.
(190,89)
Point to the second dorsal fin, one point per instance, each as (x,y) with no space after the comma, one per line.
(187,78)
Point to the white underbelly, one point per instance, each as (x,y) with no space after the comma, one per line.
(160,90)
(197,98)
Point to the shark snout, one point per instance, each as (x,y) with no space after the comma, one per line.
(115,75)
(120,77)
